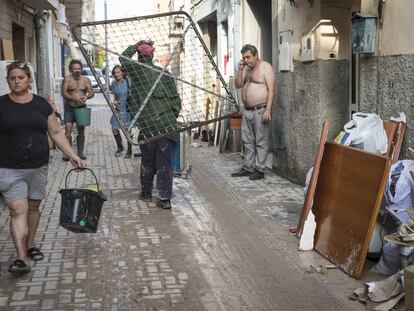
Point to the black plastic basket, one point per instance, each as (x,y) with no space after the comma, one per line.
(81,208)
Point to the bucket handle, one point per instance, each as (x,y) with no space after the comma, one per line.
(82,169)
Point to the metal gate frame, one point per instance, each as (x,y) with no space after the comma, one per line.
(233,108)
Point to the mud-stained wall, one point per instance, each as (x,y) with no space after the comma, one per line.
(387,88)
(313,92)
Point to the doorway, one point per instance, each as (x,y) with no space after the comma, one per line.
(18,42)
(262,12)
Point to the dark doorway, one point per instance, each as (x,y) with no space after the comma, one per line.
(209,28)
(18,42)
(262,11)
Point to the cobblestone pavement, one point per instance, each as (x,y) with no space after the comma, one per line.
(223,246)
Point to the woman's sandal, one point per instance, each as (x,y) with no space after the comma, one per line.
(19,266)
(35,254)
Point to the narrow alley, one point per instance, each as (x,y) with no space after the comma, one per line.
(223,246)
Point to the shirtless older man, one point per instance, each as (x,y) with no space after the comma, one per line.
(256,78)
(76,89)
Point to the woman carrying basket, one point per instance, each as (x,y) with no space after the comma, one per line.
(25,121)
(120,86)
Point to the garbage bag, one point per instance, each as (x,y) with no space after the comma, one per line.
(393,258)
(390,261)
(366,132)
(399,190)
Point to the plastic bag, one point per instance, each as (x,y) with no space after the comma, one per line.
(392,258)
(366,132)
(390,261)
(399,190)
(307,181)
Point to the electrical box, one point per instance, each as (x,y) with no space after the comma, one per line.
(364,29)
(308,47)
(285,51)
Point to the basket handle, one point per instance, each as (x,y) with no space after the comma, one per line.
(82,169)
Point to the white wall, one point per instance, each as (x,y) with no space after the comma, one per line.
(250,30)
(341,20)
(306,18)
(300,20)
(397,35)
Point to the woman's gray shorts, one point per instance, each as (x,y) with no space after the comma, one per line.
(18,184)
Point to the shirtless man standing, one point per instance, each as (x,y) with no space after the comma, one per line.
(76,89)
(256,78)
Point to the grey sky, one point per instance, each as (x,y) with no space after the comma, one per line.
(122,8)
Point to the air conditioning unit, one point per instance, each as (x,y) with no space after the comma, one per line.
(308,47)
(322,42)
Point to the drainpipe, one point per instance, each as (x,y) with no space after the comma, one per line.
(49,47)
(41,54)
(275,34)
(236,35)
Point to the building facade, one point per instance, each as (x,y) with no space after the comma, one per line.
(322,70)
(320,73)
(38,32)
(325,72)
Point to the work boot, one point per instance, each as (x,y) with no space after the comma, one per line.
(164,203)
(80,141)
(129,151)
(69,138)
(256,175)
(145,196)
(137,154)
(241,173)
(120,147)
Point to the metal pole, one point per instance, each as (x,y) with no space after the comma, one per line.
(106,51)
(41,54)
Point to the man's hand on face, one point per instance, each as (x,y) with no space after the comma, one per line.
(241,64)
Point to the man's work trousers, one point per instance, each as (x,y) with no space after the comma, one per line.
(156,159)
(255,137)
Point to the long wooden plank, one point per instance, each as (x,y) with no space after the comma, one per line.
(395,134)
(390,128)
(399,135)
(7,49)
(347,199)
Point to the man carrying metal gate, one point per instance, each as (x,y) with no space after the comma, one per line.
(186,84)
(155,103)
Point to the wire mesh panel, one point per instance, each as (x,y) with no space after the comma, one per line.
(172,79)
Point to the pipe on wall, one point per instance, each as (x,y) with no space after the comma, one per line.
(236,34)
(41,54)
